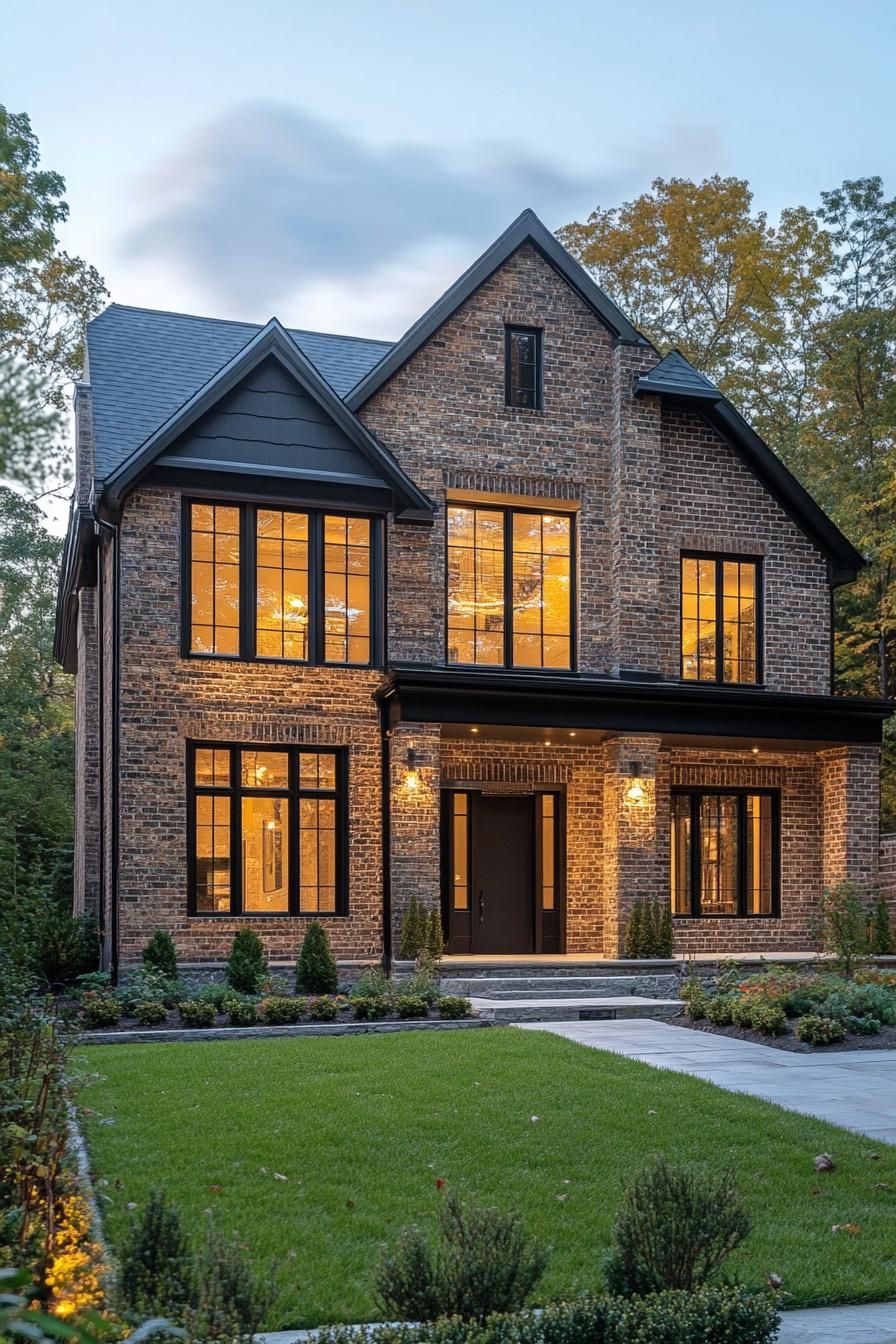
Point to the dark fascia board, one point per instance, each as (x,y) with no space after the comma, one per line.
(756,455)
(80,541)
(412,505)
(438,695)
(527,228)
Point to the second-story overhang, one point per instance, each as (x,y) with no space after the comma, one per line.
(418,694)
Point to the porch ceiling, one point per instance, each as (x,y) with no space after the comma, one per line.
(689,713)
(593,737)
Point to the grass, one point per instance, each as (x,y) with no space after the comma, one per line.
(362,1127)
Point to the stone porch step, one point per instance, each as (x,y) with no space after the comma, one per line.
(560,986)
(508,967)
(582,1009)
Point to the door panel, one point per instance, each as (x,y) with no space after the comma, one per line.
(503,874)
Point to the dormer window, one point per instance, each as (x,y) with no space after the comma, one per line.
(522,368)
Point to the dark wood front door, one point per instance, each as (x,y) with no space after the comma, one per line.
(503,871)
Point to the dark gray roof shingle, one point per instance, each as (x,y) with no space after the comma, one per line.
(145,364)
(674,372)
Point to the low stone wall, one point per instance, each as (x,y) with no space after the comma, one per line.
(196,974)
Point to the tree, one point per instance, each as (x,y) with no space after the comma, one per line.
(46,296)
(36,730)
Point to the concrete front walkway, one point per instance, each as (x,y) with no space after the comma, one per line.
(852,1088)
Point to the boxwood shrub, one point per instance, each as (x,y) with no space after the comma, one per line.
(100,1010)
(281,1010)
(197,1013)
(150,1014)
(370,1007)
(411,1005)
(241,1010)
(814,1030)
(724,1315)
(451,1006)
(325,1008)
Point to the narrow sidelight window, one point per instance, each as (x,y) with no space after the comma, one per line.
(267,831)
(522,367)
(460,850)
(215,579)
(509,587)
(282,589)
(720,619)
(724,853)
(346,589)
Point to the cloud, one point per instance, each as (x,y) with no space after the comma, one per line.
(269,199)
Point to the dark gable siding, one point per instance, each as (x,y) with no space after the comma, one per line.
(269,420)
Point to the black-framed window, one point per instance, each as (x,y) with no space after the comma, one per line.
(725,853)
(721,618)
(523,367)
(287,584)
(510,578)
(267,829)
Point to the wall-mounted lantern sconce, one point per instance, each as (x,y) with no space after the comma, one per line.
(412,774)
(635,793)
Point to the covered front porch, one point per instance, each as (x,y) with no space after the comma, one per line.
(536,838)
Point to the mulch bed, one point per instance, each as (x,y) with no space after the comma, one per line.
(884,1040)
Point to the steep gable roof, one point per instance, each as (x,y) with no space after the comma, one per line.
(527,228)
(272,341)
(675,377)
(144,365)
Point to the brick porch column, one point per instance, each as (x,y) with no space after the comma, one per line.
(633,851)
(850,786)
(414,826)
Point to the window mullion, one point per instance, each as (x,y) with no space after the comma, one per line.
(742,854)
(292,836)
(236,831)
(508,587)
(316,588)
(696,843)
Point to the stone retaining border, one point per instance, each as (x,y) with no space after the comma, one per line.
(183,1034)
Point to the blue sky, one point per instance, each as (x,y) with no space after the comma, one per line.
(337,163)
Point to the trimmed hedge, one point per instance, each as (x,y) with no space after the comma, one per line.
(723,1315)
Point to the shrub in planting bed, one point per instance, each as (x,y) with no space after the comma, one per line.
(279,1010)
(197,1013)
(452,1006)
(150,1014)
(814,1030)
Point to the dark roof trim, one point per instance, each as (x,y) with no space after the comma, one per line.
(75,571)
(536,700)
(412,504)
(528,228)
(756,455)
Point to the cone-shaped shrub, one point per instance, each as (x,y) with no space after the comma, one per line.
(881,931)
(156,1272)
(316,970)
(247,965)
(413,931)
(159,954)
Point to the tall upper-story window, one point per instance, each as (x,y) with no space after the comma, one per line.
(509,587)
(522,367)
(721,619)
(291,584)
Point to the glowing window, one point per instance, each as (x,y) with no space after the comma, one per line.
(724,853)
(719,619)
(215,579)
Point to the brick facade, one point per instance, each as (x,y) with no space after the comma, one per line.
(646,481)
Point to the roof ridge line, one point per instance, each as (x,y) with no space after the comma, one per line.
(238,322)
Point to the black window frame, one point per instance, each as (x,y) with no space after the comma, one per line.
(741,793)
(294,792)
(510,330)
(316,566)
(508,510)
(719,558)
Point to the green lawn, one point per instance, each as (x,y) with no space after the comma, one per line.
(363,1126)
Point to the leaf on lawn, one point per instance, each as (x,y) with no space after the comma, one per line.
(534,1118)
(774,1280)
(651,1112)
(852,1228)
(349,1203)
(873,1157)
(562,1197)
(817,1190)
(824,1162)
(131,1205)
(214,1189)
(278,1176)
(881,1185)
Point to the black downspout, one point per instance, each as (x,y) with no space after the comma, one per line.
(831,591)
(385,808)
(101,738)
(112,877)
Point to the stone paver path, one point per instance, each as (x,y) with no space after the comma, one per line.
(852,1088)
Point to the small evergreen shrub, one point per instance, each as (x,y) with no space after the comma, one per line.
(197,1013)
(769,1018)
(247,964)
(411,1005)
(279,1010)
(719,1010)
(414,929)
(452,1006)
(60,946)
(324,1009)
(483,1261)
(229,1300)
(159,954)
(435,939)
(815,1030)
(875,1000)
(156,1263)
(100,1010)
(695,999)
(370,1007)
(677,1225)
(241,1010)
(648,929)
(150,1014)
(742,1012)
(880,933)
(316,969)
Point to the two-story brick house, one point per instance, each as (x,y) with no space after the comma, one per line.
(512,615)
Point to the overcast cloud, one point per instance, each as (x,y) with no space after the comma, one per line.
(269,199)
